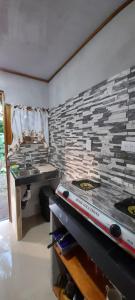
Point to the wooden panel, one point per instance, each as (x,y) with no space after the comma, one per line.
(24,75)
(2,98)
(81,277)
(16,208)
(8,130)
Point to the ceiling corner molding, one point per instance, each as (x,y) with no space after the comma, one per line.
(91,36)
(13,72)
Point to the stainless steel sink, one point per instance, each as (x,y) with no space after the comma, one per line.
(28,172)
(25,172)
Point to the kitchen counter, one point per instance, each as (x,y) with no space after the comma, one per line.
(20,176)
(35,174)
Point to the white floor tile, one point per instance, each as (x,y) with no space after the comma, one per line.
(25,265)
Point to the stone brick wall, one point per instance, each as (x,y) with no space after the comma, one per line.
(38,152)
(104,114)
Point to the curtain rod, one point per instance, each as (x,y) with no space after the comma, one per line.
(30,108)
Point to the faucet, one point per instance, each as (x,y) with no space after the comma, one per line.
(25,166)
(31,160)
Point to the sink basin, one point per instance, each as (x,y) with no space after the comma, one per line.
(22,172)
(32,170)
(26,172)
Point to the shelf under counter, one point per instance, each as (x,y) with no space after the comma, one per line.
(117,265)
(81,270)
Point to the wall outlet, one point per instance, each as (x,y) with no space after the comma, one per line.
(128,146)
(88,145)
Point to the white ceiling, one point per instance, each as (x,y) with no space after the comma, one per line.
(37,36)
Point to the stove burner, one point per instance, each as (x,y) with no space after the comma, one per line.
(127,206)
(86,184)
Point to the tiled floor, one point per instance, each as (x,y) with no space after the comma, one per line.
(3,198)
(25,265)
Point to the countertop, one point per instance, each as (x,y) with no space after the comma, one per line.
(45,172)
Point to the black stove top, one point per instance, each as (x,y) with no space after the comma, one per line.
(86,184)
(127,206)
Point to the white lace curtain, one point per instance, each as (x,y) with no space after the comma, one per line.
(29,122)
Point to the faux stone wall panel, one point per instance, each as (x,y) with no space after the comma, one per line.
(105,114)
(37,151)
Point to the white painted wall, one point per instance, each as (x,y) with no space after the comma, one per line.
(110,52)
(21,90)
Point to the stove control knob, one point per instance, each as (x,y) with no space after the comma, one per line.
(65,194)
(115,230)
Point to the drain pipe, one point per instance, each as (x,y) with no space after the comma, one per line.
(26,197)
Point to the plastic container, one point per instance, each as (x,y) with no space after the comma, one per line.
(67,244)
(45,194)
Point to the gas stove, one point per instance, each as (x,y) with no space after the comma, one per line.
(111,210)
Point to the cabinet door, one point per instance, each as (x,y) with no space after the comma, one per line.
(16,208)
